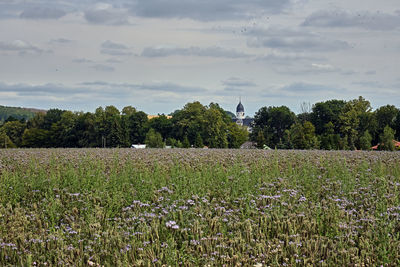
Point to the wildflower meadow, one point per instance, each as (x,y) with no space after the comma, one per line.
(199,207)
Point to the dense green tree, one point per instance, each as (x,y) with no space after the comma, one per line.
(211,123)
(137,127)
(100,129)
(52,116)
(272,122)
(172,142)
(354,120)
(302,136)
(185,142)
(11,118)
(328,140)
(37,121)
(237,135)
(365,141)
(14,130)
(226,116)
(63,132)
(179,144)
(35,137)
(114,130)
(397,127)
(216,129)
(306,111)
(386,115)
(189,121)
(154,139)
(163,125)
(86,130)
(325,112)
(128,110)
(260,139)
(109,127)
(198,141)
(386,139)
(5,141)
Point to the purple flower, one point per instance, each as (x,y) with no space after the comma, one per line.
(172,224)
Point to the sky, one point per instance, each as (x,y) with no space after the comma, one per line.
(158,55)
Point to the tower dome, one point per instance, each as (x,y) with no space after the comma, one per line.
(239,107)
(239,113)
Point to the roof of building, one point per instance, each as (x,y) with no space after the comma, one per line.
(156,116)
(246,121)
(248,145)
(395,143)
(240,107)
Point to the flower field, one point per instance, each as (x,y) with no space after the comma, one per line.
(194,207)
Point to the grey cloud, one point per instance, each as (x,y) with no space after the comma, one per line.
(60,41)
(37,12)
(370,72)
(309,69)
(54,95)
(372,84)
(45,89)
(21,47)
(104,68)
(114,49)
(82,60)
(207,10)
(348,72)
(292,40)
(235,82)
(287,58)
(118,12)
(111,45)
(306,88)
(113,60)
(232,89)
(214,51)
(341,19)
(155,86)
(171,87)
(96,83)
(107,15)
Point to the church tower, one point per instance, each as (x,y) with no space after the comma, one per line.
(239,113)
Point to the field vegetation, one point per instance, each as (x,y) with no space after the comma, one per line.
(195,207)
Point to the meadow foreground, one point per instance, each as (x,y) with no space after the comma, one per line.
(194,207)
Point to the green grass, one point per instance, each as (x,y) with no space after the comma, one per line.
(199,207)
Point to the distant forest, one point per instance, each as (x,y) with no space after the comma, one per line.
(330,125)
(17,113)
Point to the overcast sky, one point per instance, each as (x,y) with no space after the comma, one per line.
(157,55)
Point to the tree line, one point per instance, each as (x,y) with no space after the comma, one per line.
(16,113)
(195,125)
(329,125)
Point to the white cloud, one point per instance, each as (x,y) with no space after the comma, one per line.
(213,51)
(162,86)
(21,47)
(103,68)
(208,10)
(60,41)
(236,82)
(293,40)
(106,14)
(114,49)
(339,18)
(41,12)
